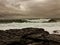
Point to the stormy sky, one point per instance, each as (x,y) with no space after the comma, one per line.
(16,9)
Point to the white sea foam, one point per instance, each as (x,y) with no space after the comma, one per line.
(50,27)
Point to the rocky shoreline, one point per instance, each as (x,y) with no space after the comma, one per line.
(28,36)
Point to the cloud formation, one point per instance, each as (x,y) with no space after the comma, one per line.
(32,8)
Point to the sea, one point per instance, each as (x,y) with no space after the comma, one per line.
(50,27)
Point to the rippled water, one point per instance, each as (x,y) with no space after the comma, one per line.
(47,26)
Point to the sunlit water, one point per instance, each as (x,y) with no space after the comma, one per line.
(50,27)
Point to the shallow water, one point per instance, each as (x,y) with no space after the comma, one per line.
(50,27)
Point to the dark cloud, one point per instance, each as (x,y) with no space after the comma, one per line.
(30,8)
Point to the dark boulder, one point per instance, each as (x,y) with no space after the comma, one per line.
(52,20)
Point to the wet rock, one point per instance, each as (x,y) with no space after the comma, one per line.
(52,20)
(27,36)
